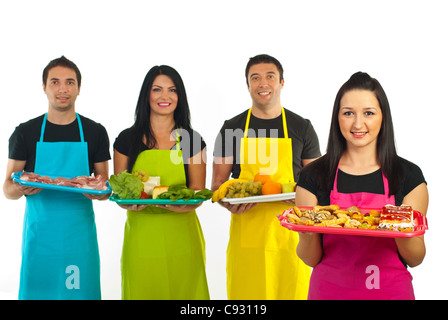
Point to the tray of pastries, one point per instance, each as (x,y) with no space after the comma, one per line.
(389,221)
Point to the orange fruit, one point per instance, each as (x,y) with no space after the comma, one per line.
(271,187)
(263,178)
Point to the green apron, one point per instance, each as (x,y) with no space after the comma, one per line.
(163,254)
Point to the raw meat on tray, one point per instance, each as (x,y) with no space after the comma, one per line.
(84,182)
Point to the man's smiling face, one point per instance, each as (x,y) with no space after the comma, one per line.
(264,84)
(61,88)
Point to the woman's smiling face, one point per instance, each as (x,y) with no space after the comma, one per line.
(360,118)
(163,95)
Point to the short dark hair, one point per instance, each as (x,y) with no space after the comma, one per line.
(61,62)
(263,58)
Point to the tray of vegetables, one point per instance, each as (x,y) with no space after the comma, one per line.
(139,188)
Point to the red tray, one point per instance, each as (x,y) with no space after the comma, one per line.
(420,226)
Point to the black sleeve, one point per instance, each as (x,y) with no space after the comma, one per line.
(122,142)
(17,149)
(22,143)
(311,148)
(413,177)
(218,149)
(227,140)
(308,181)
(229,137)
(305,139)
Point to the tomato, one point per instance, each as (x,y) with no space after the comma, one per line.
(144,195)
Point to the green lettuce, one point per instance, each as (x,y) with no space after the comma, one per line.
(203,194)
(126,185)
(176,187)
(177,192)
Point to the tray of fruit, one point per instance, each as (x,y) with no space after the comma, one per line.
(140,188)
(238,191)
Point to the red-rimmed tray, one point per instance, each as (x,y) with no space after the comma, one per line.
(420,226)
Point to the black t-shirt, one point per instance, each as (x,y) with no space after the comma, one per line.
(190,142)
(22,143)
(305,144)
(371,183)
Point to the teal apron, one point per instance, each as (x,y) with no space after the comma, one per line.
(60,258)
(163,251)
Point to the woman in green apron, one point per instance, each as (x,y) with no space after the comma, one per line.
(163,251)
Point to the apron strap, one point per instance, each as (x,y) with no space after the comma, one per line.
(247,122)
(42,130)
(335,184)
(81,131)
(386,184)
(285,128)
(177,145)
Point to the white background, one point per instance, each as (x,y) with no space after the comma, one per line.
(319,43)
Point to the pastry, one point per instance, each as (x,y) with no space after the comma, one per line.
(397,218)
(353,210)
(297,211)
(292,218)
(330,208)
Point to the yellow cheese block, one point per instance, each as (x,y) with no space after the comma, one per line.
(158,190)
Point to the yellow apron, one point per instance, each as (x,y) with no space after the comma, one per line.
(261,255)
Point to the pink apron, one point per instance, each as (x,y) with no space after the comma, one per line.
(357,267)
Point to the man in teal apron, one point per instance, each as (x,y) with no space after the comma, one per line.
(60,258)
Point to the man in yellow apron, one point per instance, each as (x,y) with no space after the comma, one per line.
(267,139)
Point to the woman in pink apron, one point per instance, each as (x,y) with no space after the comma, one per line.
(361,168)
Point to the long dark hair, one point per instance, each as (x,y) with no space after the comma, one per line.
(142,125)
(325,167)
